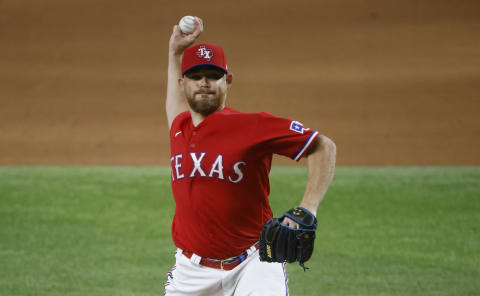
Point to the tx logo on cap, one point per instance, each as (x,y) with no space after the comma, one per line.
(205,53)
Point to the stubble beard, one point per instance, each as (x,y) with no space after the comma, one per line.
(204,106)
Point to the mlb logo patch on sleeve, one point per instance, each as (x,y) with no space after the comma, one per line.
(297,127)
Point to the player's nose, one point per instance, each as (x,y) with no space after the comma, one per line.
(204,82)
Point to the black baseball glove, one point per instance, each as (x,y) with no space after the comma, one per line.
(280,243)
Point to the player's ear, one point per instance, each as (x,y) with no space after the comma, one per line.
(180,82)
(229,79)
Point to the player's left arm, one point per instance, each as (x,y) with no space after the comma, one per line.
(320,170)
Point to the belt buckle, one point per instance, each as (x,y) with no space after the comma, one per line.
(242,256)
(226,260)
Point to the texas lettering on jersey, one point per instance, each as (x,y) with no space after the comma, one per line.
(220,180)
(200,169)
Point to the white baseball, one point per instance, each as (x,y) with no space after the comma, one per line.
(187,24)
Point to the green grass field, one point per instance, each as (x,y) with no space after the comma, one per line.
(106,231)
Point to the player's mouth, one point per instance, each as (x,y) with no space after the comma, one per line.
(204,92)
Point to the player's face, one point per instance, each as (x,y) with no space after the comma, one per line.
(205,89)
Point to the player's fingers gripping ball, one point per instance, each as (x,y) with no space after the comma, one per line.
(280,243)
(187,24)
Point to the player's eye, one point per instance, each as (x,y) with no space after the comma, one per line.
(215,75)
(194,76)
(210,76)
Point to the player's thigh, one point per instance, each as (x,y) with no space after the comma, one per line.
(186,279)
(262,279)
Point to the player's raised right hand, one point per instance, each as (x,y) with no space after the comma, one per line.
(180,41)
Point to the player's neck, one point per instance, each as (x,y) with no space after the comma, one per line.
(197,118)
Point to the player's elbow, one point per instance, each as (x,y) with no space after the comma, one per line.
(328,144)
(324,145)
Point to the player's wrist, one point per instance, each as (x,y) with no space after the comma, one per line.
(312,209)
(175,52)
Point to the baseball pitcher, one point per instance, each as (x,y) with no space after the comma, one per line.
(228,242)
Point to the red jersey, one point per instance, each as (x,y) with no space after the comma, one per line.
(220,177)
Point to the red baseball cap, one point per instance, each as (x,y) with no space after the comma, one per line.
(204,54)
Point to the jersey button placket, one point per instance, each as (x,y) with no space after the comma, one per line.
(192,144)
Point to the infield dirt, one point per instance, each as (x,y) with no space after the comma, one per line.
(391,82)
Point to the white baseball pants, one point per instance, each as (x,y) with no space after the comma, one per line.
(252,277)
